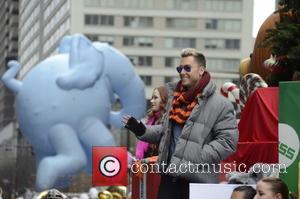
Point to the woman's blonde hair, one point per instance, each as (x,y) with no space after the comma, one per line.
(278,186)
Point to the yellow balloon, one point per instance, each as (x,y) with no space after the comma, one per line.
(117,195)
(244,66)
(42,195)
(105,195)
(118,189)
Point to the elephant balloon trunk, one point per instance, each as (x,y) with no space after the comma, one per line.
(135,109)
(9,77)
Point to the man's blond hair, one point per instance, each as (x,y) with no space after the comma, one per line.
(199,57)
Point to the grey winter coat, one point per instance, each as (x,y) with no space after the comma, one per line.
(209,135)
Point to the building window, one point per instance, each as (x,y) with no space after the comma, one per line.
(144,4)
(172,61)
(92,37)
(233,25)
(223,65)
(221,5)
(107,39)
(106,20)
(26,26)
(138,22)
(181,4)
(141,60)
(55,19)
(233,44)
(147,80)
(211,24)
(181,23)
(100,3)
(180,43)
(137,41)
(53,40)
(102,38)
(27,40)
(168,79)
(145,61)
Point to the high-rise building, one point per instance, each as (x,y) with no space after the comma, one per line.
(8,51)
(150,32)
(8,134)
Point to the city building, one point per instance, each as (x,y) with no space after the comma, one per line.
(150,32)
(8,130)
(8,51)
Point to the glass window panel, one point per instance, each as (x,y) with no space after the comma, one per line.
(228,25)
(147,80)
(172,61)
(168,79)
(137,41)
(138,22)
(99,20)
(182,4)
(223,5)
(222,44)
(181,23)
(133,59)
(128,41)
(180,43)
(145,61)
(223,65)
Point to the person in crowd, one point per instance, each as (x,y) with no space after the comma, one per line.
(198,130)
(52,194)
(272,188)
(243,192)
(1,192)
(157,109)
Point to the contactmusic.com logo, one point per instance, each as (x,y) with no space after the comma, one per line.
(109,166)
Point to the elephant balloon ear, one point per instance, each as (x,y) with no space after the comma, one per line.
(65,44)
(85,63)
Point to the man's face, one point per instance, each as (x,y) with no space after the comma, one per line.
(191,78)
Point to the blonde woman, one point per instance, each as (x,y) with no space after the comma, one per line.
(157,109)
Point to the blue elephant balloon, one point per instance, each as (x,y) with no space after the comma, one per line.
(63,104)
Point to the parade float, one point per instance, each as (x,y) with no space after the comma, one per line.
(269,131)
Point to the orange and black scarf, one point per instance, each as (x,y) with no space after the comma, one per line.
(184,101)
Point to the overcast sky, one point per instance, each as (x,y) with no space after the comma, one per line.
(262,9)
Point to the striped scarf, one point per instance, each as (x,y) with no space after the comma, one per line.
(184,101)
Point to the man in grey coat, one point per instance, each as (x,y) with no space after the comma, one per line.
(198,131)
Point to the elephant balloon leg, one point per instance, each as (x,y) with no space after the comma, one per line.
(93,132)
(69,159)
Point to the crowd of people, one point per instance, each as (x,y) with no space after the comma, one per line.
(266,188)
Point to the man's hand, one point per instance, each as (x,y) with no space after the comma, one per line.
(137,127)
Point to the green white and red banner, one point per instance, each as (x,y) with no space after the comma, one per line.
(289,132)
